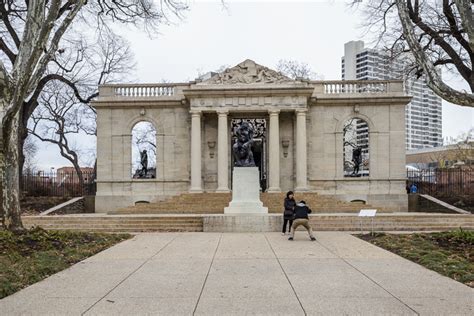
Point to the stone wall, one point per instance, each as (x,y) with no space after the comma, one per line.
(385,186)
(287,163)
(115,186)
(74,208)
(209,155)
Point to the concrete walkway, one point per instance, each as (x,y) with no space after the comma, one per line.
(243,274)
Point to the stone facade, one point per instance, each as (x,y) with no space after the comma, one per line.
(303,140)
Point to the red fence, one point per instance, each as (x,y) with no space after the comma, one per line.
(65,184)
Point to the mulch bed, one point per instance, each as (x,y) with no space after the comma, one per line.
(29,257)
(34,205)
(448,253)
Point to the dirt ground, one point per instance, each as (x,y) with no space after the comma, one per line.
(33,205)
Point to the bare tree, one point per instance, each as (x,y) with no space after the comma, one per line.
(30,149)
(295,69)
(436,35)
(60,114)
(145,138)
(461,149)
(32,34)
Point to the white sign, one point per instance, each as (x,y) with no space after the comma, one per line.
(367,213)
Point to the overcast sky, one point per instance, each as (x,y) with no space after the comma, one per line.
(266,31)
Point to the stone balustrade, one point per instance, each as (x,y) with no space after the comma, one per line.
(158,90)
(172,90)
(359,86)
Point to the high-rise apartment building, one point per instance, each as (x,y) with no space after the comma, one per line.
(423,113)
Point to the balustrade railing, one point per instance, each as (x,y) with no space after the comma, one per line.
(350,87)
(163,90)
(144,91)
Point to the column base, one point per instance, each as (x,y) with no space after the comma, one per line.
(301,189)
(273,190)
(222,190)
(196,190)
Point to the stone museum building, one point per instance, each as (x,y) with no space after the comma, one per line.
(345,139)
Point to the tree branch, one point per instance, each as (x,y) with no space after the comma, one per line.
(434,80)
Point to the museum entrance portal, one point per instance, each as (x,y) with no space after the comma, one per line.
(259,147)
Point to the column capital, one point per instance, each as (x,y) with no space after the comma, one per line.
(195,112)
(222,112)
(274,111)
(301,111)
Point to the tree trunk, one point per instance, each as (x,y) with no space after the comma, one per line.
(23,134)
(10,176)
(80,176)
(2,162)
(26,112)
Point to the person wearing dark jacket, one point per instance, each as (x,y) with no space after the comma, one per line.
(289,205)
(301,219)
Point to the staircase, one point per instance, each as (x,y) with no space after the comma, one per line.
(214,203)
(196,223)
(318,203)
(117,223)
(392,222)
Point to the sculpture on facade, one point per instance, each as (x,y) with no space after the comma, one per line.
(242,148)
(248,72)
(357,160)
(144,163)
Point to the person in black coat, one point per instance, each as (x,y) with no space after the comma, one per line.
(288,212)
(301,218)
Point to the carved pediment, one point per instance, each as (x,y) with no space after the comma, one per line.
(248,72)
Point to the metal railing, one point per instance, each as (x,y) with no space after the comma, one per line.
(443,182)
(65,184)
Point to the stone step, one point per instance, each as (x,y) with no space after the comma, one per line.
(325,222)
(391,225)
(214,203)
(130,230)
(158,221)
(155,211)
(114,223)
(123,225)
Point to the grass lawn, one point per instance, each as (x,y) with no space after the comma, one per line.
(36,254)
(448,253)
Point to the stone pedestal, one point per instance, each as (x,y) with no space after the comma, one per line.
(245,192)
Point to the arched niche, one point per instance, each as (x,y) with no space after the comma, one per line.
(144,150)
(356,151)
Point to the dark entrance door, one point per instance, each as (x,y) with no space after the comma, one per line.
(259,146)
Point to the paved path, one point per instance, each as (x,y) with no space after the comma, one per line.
(238,274)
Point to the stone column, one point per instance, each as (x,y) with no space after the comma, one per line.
(301,155)
(222,152)
(274,152)
(196,154)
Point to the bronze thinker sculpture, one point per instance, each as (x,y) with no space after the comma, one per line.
(144,163)
(357,160)
(242,148)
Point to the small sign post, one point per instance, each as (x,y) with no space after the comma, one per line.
(368,213)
